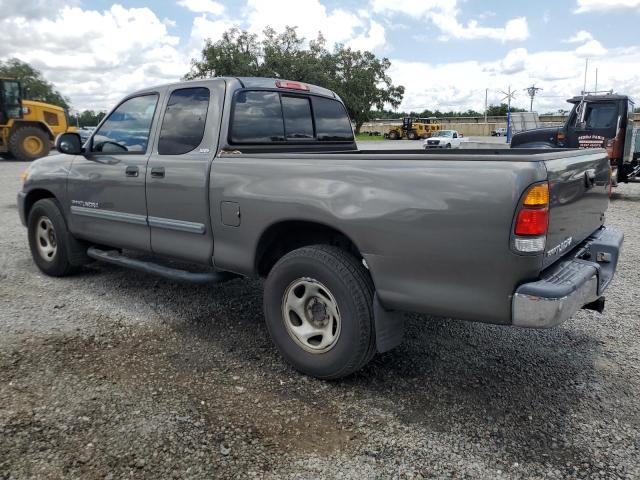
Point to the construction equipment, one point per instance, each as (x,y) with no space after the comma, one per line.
(27,127)
(415,128)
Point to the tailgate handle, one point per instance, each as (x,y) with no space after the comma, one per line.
(590,178)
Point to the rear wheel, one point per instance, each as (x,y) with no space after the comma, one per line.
(393,135)
(318,304)
(28,143)
(49,239)
(412,136)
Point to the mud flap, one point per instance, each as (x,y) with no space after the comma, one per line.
(389,327)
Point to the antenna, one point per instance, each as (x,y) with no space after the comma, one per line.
(532,90)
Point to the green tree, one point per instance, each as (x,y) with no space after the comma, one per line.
(360,78)
(501,110)
(34,87)
(87,118)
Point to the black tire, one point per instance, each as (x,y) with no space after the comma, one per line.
(68,254)
(18,143)
(412,136)
(393,136)
(349,284)
(448,145)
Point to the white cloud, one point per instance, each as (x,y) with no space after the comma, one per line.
(580,37)
(585,6)
(130,49)
(444,14)
(374,37)
(461,85)
(203,6)
(592,48)
(311,17)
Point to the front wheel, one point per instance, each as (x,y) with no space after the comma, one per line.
(49,239)
(318,303)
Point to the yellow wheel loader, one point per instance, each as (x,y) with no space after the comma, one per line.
(415,128)
(27,127)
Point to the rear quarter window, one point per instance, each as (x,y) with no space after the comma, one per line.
(332,121)
(257,118)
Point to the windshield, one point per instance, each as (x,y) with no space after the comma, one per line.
(445,133)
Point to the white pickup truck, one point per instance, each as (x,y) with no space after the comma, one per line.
(443,139)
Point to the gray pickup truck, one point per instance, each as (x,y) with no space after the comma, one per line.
(262,177)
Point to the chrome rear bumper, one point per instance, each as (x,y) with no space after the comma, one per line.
(569,284)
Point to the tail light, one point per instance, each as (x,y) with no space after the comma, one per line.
(532,221)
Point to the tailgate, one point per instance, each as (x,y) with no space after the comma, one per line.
(579,197)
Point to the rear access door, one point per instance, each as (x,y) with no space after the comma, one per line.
(579,198)
(178,171)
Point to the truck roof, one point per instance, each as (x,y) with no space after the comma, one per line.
(596,98)
(254,82)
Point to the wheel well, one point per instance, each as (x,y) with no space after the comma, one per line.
(33,196)
(39,125)
(284,237)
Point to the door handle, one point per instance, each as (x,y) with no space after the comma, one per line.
(131,171)
(157,172)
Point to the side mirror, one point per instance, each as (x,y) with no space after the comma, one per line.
(455,135)
(69,143)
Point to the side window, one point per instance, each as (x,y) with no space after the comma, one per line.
(298,124)
(184,121)
(332,121)
(127,128)
(257,118)
(601,115)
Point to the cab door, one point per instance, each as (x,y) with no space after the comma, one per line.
(106,186)
(178,172)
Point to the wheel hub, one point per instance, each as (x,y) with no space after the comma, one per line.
(311,316)
(317,312)
(46,243)
(33,145)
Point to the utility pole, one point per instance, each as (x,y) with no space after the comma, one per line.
(532,90)
(486,106)
(508,96)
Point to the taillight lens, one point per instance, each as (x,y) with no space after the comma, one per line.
(532,222)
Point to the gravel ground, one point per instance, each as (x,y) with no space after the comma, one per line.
(113,374)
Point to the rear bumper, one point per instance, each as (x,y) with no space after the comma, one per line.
(21,207)
(569,284)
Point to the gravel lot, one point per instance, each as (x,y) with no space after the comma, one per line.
(113,374)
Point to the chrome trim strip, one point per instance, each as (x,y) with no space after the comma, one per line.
(109,215)
(179,225)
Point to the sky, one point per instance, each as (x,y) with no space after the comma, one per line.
(446,53)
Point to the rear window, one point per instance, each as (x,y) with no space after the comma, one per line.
(260,117)
(298,124)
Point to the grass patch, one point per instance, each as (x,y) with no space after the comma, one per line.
(369,138)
